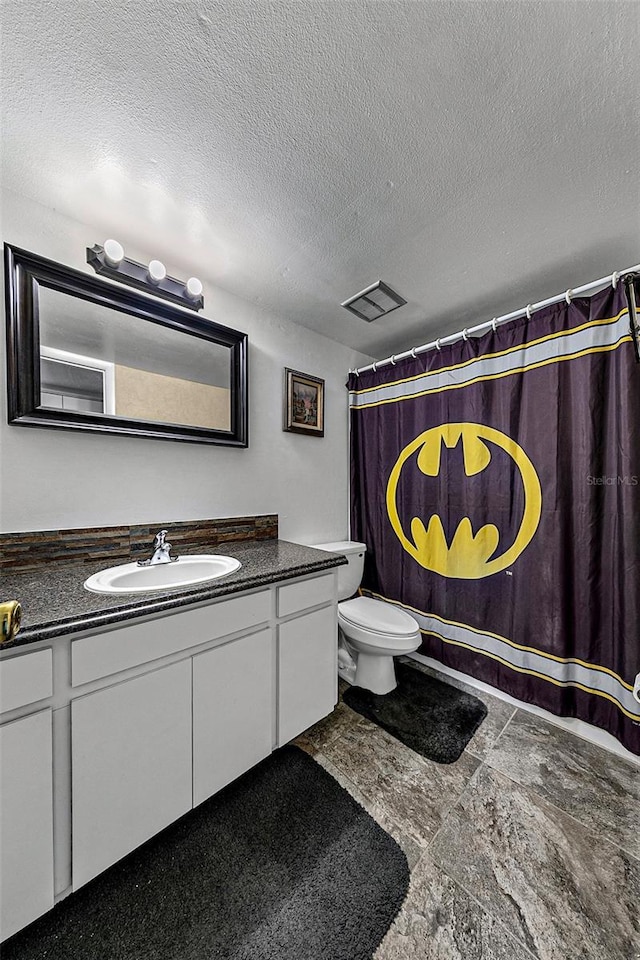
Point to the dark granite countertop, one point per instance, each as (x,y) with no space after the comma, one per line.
(55,602)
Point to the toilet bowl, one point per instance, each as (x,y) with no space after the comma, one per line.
(370,632)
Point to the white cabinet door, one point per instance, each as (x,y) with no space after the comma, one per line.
(131,765)
(26,821)
(307,671)
(233,711)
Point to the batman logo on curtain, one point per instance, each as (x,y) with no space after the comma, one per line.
(486,476)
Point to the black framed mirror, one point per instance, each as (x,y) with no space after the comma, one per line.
(86,354)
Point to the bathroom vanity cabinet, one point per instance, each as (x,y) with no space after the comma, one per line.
(108,737)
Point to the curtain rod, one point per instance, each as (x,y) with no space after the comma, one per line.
(492,324)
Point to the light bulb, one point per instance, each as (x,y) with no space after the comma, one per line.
(113,253)
(156,271)
(193,288)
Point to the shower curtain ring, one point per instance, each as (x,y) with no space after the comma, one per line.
(393,360)
(375,367)
(528,311)
(438,344)
(413,353)
(465,335)
(357,372)
(568,295)
(494,326)
(615,276)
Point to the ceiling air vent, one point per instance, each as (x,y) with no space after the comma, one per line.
(374,302)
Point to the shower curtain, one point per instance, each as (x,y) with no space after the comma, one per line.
(496,483)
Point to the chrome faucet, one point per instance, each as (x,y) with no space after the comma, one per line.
(161,551)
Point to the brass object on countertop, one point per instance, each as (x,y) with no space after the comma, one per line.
(10,618)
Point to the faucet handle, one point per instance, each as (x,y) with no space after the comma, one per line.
(161,551)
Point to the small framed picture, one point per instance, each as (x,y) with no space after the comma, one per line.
(303,403)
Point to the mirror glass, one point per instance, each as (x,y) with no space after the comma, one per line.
(97,360)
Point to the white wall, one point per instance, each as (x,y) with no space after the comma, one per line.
(56,478)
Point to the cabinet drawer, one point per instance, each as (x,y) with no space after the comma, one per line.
(105,654)
(25,679)
(293,597)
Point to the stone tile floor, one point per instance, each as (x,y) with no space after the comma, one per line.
(526,848)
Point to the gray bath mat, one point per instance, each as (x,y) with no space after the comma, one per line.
(432,717)
(281,865)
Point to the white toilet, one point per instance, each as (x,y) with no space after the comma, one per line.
(370,632)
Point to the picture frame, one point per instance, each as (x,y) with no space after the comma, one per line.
(303,403)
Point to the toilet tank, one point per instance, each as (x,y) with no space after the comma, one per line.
(349,575)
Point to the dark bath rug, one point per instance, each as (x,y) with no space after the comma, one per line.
(432,717)
(281,865)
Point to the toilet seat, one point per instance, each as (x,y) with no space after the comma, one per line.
(378,619)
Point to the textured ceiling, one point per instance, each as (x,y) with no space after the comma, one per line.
(476,156)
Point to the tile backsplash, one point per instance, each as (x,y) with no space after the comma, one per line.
(35,548)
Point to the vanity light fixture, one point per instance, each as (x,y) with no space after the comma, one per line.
(110,261)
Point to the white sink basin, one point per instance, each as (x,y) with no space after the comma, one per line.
(183,572)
